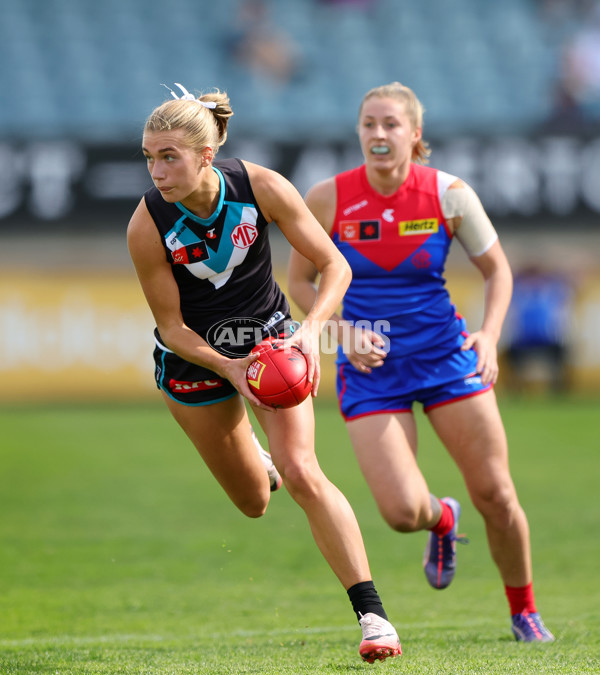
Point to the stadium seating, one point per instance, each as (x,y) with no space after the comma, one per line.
(93,69)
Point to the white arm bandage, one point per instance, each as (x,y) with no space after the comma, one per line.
(475,231)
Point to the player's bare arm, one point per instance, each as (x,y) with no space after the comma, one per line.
(497,275)
(281,202)
(302,272)
(321,199)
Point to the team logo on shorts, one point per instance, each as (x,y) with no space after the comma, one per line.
(473,379)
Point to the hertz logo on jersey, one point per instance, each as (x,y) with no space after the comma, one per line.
(425,226)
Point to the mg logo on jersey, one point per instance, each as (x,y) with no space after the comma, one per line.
(244,235)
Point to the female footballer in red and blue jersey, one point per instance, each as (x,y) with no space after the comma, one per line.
(403,341)
(397,247)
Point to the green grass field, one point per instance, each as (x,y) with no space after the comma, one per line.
(120,554)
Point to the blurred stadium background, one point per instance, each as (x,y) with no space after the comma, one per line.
(512,97)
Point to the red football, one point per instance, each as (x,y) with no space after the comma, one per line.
(279,377)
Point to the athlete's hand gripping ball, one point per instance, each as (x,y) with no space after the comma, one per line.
(279,377)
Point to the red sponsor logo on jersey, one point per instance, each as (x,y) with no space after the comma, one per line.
(180,256)
(349,230)
(244,235)
(359,230)
(190,254)
(182,387)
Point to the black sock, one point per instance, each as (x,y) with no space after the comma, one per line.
(364,599)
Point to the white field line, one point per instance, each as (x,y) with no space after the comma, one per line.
(143,637)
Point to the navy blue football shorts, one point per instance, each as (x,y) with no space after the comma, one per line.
(186,382)
(194,385)
(430,379)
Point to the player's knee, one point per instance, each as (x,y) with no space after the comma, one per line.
(302,480)
(498,506)
(253,510)
(403,518)
(252,506)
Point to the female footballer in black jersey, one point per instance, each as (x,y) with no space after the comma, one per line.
(198,241)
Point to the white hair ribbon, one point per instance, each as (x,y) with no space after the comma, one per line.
(186,96)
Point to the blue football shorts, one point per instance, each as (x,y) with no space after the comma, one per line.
(430,378)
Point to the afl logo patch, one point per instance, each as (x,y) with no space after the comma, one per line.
(244,235)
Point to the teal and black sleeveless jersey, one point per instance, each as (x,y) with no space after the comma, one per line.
(222,264)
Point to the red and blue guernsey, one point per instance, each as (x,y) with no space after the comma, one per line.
(397,247)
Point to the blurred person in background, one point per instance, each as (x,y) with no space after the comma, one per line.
(198,240)
(577,88)
(394,220)
(537,327)
(261,48)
